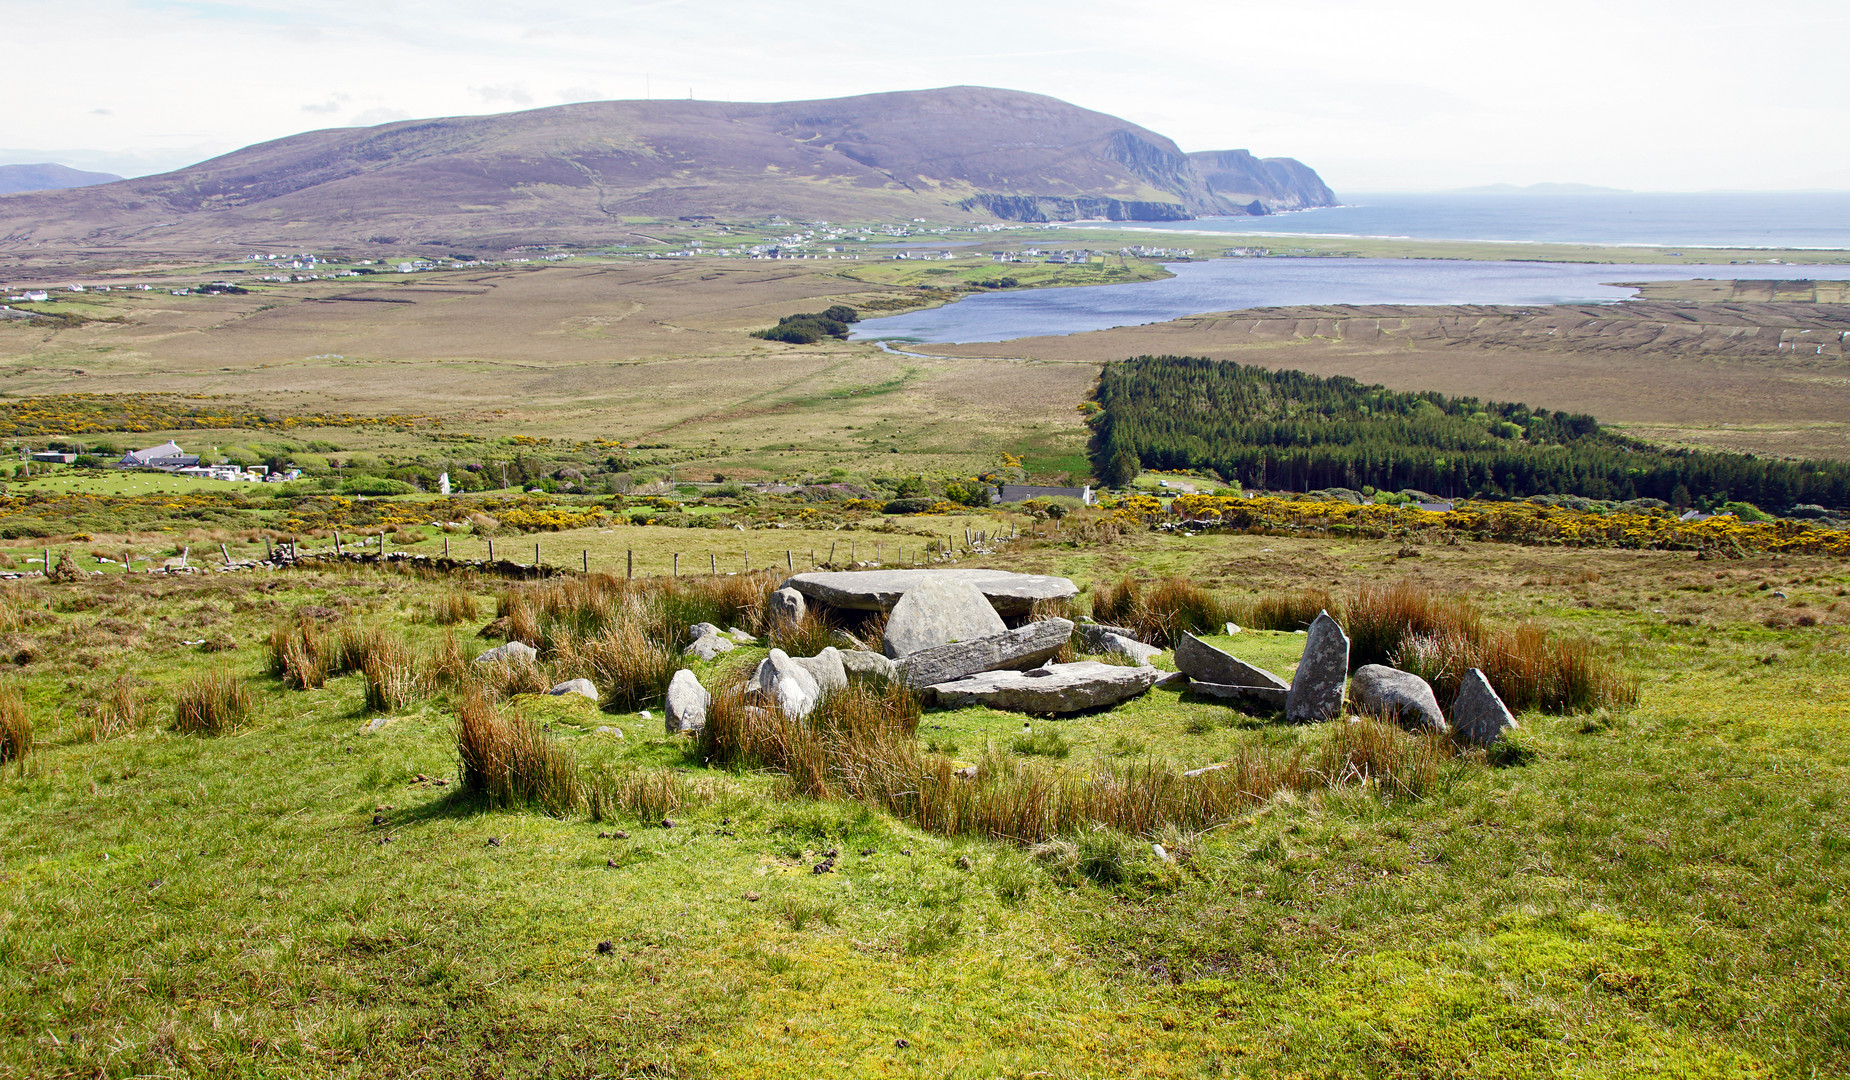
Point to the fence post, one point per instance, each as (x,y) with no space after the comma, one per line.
(491,549)
(586,553)
(629,565)
(446,547)
(712,564)
(222,550)
(536,553)
(337,550)
(789,562)
(677,564)
(831,553)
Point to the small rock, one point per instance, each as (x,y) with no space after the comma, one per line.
(645,714)
(1232,629)
(494,841)
(666,824)
(378,819)
(1161,853)
(605,947)
(582,687)
(619,834)
(751,898)
(512,652)
(741,636)
(602,729)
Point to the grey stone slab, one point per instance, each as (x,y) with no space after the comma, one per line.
(1479,716)
(868,665)
(938,612)
(512,653)
(1022,647)
(686,703)
(878,590)
(826,668)
(581,687)
(1263,695)
(1202,661)
(1317,686)
(1049,690)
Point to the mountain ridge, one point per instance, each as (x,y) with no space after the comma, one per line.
(585,172)
(48,176)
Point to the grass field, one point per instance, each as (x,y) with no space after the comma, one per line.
(1648,892)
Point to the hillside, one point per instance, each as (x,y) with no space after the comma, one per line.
(584,172)
(48,176)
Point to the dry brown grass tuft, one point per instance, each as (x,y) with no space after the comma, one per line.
(391,673)
(449,665)
(121,712)
(1379,617)
(15,726)
(808,635)
(648,794)
(628,667)
(1527,668)
(297,650)
(452,608)
(212,704)
(1286,611)
(507,761)
(1161,613)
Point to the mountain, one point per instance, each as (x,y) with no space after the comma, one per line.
(48,176)
(583,173)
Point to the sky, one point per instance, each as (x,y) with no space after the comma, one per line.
(1420,95)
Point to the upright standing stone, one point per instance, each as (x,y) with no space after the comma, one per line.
(787,607)
(826,668)
(1479,716)
(1317,688)
(937,612)
(788,683)
(686,703)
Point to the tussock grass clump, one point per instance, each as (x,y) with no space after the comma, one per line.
(448,665)
(808,636)
(452,608)
(120,712)
(1160,613)
(1286,611)
(298,653)
(212,704)
(508,761)
(505,679)
(628,667)
(390,669)
(1378,618)
(15,726)
(647,794)
(1526,667)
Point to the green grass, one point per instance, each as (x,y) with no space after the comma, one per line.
(1655,892)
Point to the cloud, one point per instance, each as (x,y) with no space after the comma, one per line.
(333,104)
(496,95)
(582,93)
(101,112)
(379,116)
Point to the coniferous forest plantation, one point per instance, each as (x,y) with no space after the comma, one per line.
(1292,430)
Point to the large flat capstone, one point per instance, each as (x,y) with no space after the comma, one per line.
(1047,690)
(879,590)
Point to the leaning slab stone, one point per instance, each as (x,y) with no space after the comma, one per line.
(879,590)
(1052,689)
(868,665)
(826,668)
(938,612)
(687,703)
(787,683)
(1022,647)
(1317,687)
(512,652)
(1097,638)
(1402,696)
(1202,661)
(581,687)
(787,607)
(1479,716)
(1265,695)
(1172,680)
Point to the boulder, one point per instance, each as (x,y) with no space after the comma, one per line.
(741,636)
(708,646)
(826,668)
(788,684)
(1479,716)
(581,687)
(868,665)
(686,703)
(700,630)
(1051,689)
(1399,695)
(1022,647)
(1199,660)
(511,653)
(937,612)
(1097,638)
(1317,687)
(786,607)
(879,590)
(1271,696)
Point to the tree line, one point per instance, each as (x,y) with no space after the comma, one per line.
(1290,430)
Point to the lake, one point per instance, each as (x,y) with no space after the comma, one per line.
(1759,219)
(1237,284)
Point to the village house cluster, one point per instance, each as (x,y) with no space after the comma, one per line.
(169,458)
